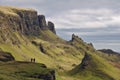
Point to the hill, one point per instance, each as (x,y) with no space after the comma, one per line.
(25,71)
(94,67)
(112,56)
(24,35)
(109,51)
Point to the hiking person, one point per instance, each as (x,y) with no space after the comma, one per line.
(34,60)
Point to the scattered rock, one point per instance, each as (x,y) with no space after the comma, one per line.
(48,76)
(42,48)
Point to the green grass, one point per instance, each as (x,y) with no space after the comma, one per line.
(12,10)
(49,36)
(97,69)
(21,70)
(61,56)
(56,55)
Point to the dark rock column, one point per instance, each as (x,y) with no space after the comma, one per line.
(51,27)
(42,22)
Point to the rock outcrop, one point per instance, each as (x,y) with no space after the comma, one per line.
(49,76)
(5,56)
(51,27)
(42,22)
(74,38)
(28,23)
(14,21)
(44,26)
(24,21)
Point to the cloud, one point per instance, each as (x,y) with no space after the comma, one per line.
(51,7)
(107,32)
(86,18)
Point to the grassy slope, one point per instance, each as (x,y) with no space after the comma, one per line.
(21,70)
(59,55)
(12,10)
(97,68)
(113,59)
(63,56)
(25,51)
(49,36)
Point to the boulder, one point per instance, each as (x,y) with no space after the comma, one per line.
(5,56)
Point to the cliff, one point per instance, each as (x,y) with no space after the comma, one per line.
(51,27)
(25,21)
(42,22)
(44,26)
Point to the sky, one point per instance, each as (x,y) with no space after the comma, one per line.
(96,21)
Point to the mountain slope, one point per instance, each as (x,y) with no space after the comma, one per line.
(111,56)
(25,35)
(25,71)
(18,31)
(94,67)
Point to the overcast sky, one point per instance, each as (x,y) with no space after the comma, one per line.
(96,21)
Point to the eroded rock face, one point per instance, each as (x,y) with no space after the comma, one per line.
(15,21)
(75,37)
(28,23)
(49,76)
(25,22)
(86,61)
(51,27)
(44,26)
(42,22)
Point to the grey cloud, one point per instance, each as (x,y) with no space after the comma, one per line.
(62,5)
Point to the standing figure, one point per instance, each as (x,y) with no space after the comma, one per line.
(31,59)
(34,60)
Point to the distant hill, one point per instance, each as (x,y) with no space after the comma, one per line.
(108,51)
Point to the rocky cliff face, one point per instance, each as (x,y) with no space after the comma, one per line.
(44,26)
(28,22)
(25,21)
(42,22)
(51,27)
